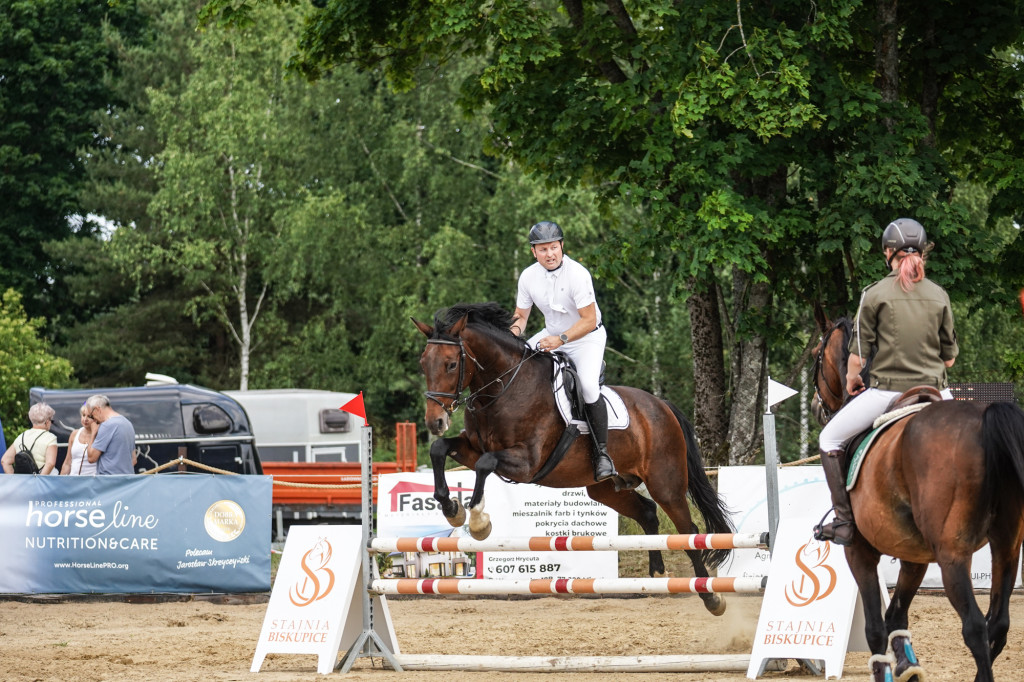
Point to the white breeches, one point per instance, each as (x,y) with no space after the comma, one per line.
(588,354)
(858,415)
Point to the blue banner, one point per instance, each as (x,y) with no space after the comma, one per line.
(188,533)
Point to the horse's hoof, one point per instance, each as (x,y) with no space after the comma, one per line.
(481,533)
(716,605)
(458,519)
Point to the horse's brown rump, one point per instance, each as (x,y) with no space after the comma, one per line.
(909,493)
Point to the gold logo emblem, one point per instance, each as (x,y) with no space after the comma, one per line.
(818,579)
(224,520)
(318,580)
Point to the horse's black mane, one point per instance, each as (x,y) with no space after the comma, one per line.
(845,325)
(488,315)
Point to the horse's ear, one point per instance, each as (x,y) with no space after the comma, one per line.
(821,318)
(459,326)
(427,330)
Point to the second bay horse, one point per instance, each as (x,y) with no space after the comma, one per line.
(934,488)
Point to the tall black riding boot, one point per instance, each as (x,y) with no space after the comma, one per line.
(597,417)
(840,531)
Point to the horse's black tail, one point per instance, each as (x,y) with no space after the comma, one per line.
(703,494)
(1002,432)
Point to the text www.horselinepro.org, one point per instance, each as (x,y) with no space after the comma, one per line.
(91,564)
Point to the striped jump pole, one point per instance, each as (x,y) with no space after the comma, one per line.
(441,586)
(578,543)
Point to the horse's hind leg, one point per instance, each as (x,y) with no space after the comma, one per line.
(956,579)
(907,668)
(672,498)
(633,505)
(1005,543)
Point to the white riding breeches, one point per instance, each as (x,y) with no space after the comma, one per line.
(858,415)
(587,354)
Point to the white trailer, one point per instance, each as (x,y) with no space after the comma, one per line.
(301,425)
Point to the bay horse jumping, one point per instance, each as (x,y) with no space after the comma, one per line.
(512,425)
(934,488)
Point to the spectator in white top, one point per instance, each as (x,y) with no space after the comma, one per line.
(563,290)
(38,440)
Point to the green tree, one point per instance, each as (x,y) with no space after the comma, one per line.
(124,298)
(25,361)
(232,149)
(763,144)
(57,66)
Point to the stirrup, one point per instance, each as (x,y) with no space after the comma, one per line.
(819,528)
(827,532)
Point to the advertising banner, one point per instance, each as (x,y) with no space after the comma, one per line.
(406,508)
(135,534)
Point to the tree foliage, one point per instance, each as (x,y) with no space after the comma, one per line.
(25,361)
(764,144)
(57,67)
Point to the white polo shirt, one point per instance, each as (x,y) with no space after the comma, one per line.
(558,294)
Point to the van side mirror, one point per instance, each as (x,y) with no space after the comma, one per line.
(333,421)
(210,419)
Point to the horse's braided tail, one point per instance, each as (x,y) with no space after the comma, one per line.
(1002,429)
(703,494)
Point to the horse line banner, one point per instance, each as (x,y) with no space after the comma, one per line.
(189,533)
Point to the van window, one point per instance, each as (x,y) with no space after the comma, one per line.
(333,421)
(210,419)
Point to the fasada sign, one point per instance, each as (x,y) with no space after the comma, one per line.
(134,534)
(406,508)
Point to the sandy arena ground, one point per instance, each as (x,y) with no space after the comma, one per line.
(206,640)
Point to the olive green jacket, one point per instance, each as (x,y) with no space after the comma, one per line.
(910,332)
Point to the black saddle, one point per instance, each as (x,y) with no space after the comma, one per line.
(569,378)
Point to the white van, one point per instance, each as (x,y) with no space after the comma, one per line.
(301,425)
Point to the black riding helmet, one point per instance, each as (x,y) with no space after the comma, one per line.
(544,232)
(906,235)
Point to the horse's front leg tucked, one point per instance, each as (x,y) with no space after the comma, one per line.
(451,507)
(479,521)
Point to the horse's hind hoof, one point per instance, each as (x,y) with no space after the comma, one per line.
(458,519)
(716,605)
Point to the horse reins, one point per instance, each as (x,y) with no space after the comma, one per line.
(459,388)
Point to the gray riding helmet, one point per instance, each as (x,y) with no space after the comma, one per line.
(544,232)
(904,234)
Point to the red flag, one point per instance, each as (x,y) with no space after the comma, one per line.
(1022,299)
(355,406)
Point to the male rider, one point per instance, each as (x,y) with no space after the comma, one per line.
(564,292)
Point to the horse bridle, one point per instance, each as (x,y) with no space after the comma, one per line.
(459,388)
(819,361)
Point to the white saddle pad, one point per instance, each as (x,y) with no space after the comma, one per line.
(618,417)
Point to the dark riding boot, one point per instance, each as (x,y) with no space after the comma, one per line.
(597,417)
(840,531)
